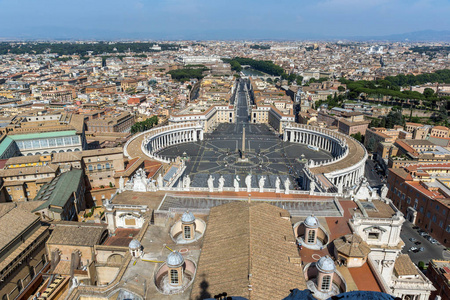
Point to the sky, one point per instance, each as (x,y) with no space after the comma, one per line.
(217,19)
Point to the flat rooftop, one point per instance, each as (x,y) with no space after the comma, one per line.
(377,209)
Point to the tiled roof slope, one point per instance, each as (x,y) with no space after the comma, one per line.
(249,250)
(57,192)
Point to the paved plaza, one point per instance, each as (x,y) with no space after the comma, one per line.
(268,155)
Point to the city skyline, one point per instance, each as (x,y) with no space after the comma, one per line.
(202,20)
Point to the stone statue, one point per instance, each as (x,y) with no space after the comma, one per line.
(312,187)
(277,185)
(121,184)
(373,194)
(152,185)
(159,181)
(384,191)
(221,183)
(248,182)
(187,182)
(262,180)
(211,183)
(236,183)
(139,181)
(340,187)
(287,183)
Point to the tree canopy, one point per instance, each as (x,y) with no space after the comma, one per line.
(144,125)
(188,72)
(265,66)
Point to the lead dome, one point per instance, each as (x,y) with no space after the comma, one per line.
(175,259)
(134,244)
(326,264)
(311,222)
(187,218)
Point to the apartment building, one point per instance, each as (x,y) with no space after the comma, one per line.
(114,122)
(422,193)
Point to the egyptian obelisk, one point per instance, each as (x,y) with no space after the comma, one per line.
(243,143)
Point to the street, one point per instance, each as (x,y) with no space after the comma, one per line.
(374,179)
(432,251)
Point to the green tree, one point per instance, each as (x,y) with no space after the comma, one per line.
(358,136)
(428,93)
(144,125)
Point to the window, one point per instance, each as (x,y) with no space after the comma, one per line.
(187,232)
(99,167)
(326,280)
(441,223)
(311,236)
(421,209)
(107,166)
(448,228)
(434,218)
(174,276)
(437,207)
(428,215)
(90,168)
(408,200)
(374,235)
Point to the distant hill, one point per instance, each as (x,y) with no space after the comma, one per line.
(416,36)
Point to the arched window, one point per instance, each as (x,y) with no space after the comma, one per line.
(326,282)
(174,276)
(311,236)
(107,166)
(99,167)
(187,232)
(90,168)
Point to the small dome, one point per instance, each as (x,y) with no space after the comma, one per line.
(311,222)
(187,218)
(134,244)
(175,259)
(326,265)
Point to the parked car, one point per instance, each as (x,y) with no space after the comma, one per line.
(422,233)
(416,251)
(412,239)
(421,249)
(412,249)
(417,243)
(415,227)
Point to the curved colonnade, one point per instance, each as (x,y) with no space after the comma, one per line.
(344,170)
(159,138)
